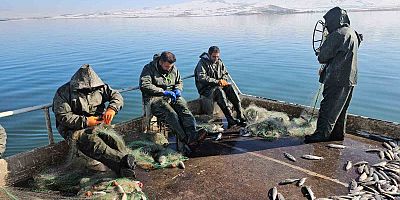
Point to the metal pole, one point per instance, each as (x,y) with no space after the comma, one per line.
(48,125)
(234,84)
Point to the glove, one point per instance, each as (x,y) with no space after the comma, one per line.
(223,83)
(171,95)
(93,121)
(178,92)
(108,116)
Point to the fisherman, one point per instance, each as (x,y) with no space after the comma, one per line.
(211,78)
(79,106)
(3,139)
(339,54)
(161,85)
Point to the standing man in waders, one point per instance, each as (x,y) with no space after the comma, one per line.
(79,106)
(339,54)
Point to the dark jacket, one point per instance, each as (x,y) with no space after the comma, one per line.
(85,95)
(339,51)
(154,80)
(207,74)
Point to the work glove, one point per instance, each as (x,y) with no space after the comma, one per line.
(108,116)
(93,121)
(171,95)
(223,83)
(178,92)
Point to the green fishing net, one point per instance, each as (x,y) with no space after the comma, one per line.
(74,179)
(270,125)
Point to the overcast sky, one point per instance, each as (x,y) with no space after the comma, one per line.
(29,8)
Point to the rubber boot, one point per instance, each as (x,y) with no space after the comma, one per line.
(229,117)
(316,137)
(127,167)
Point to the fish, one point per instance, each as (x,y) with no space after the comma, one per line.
(371,171)
(381,155)
(99,193)
(120,190)
(162,160)
(181,165)
(388,155)
(357,189)
(372,150)
(218,137)
(288,181)
(273,193)
(360,169)
(362,177)
(280,197)
(352,185)
(394,145)
(387,146)
(336,146)
(381,164)
(301,182)
(348,165)
(366,169)
(290,157)
(124,196)
(308,193)
(312,157)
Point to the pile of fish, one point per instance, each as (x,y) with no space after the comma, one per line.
(375,180)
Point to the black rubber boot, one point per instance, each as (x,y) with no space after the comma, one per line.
(316,137)
(128,167)
(242,122)
(336,137)
(229,117)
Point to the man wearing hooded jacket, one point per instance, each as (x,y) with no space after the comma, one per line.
(339,54)
(79,106)
(161,85)
(211,78)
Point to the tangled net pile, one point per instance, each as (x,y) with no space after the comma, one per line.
(271,125)
(74,179)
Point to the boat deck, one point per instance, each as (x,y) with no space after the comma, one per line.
(246,168)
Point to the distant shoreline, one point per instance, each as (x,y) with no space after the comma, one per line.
(113,15)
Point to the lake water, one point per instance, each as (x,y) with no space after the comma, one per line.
(267,55)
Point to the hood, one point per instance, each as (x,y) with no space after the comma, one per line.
(205,56)
(85,78)
(336,18)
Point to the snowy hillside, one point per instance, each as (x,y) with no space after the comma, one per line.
(241,7)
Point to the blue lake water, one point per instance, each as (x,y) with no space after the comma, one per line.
(267,55)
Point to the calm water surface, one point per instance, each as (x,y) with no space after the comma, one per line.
(267,55)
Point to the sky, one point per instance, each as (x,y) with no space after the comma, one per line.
(35,8)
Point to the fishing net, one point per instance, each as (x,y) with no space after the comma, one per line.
(264,123)
(149,149)
(271,125)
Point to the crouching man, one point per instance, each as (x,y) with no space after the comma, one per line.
(79,106)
